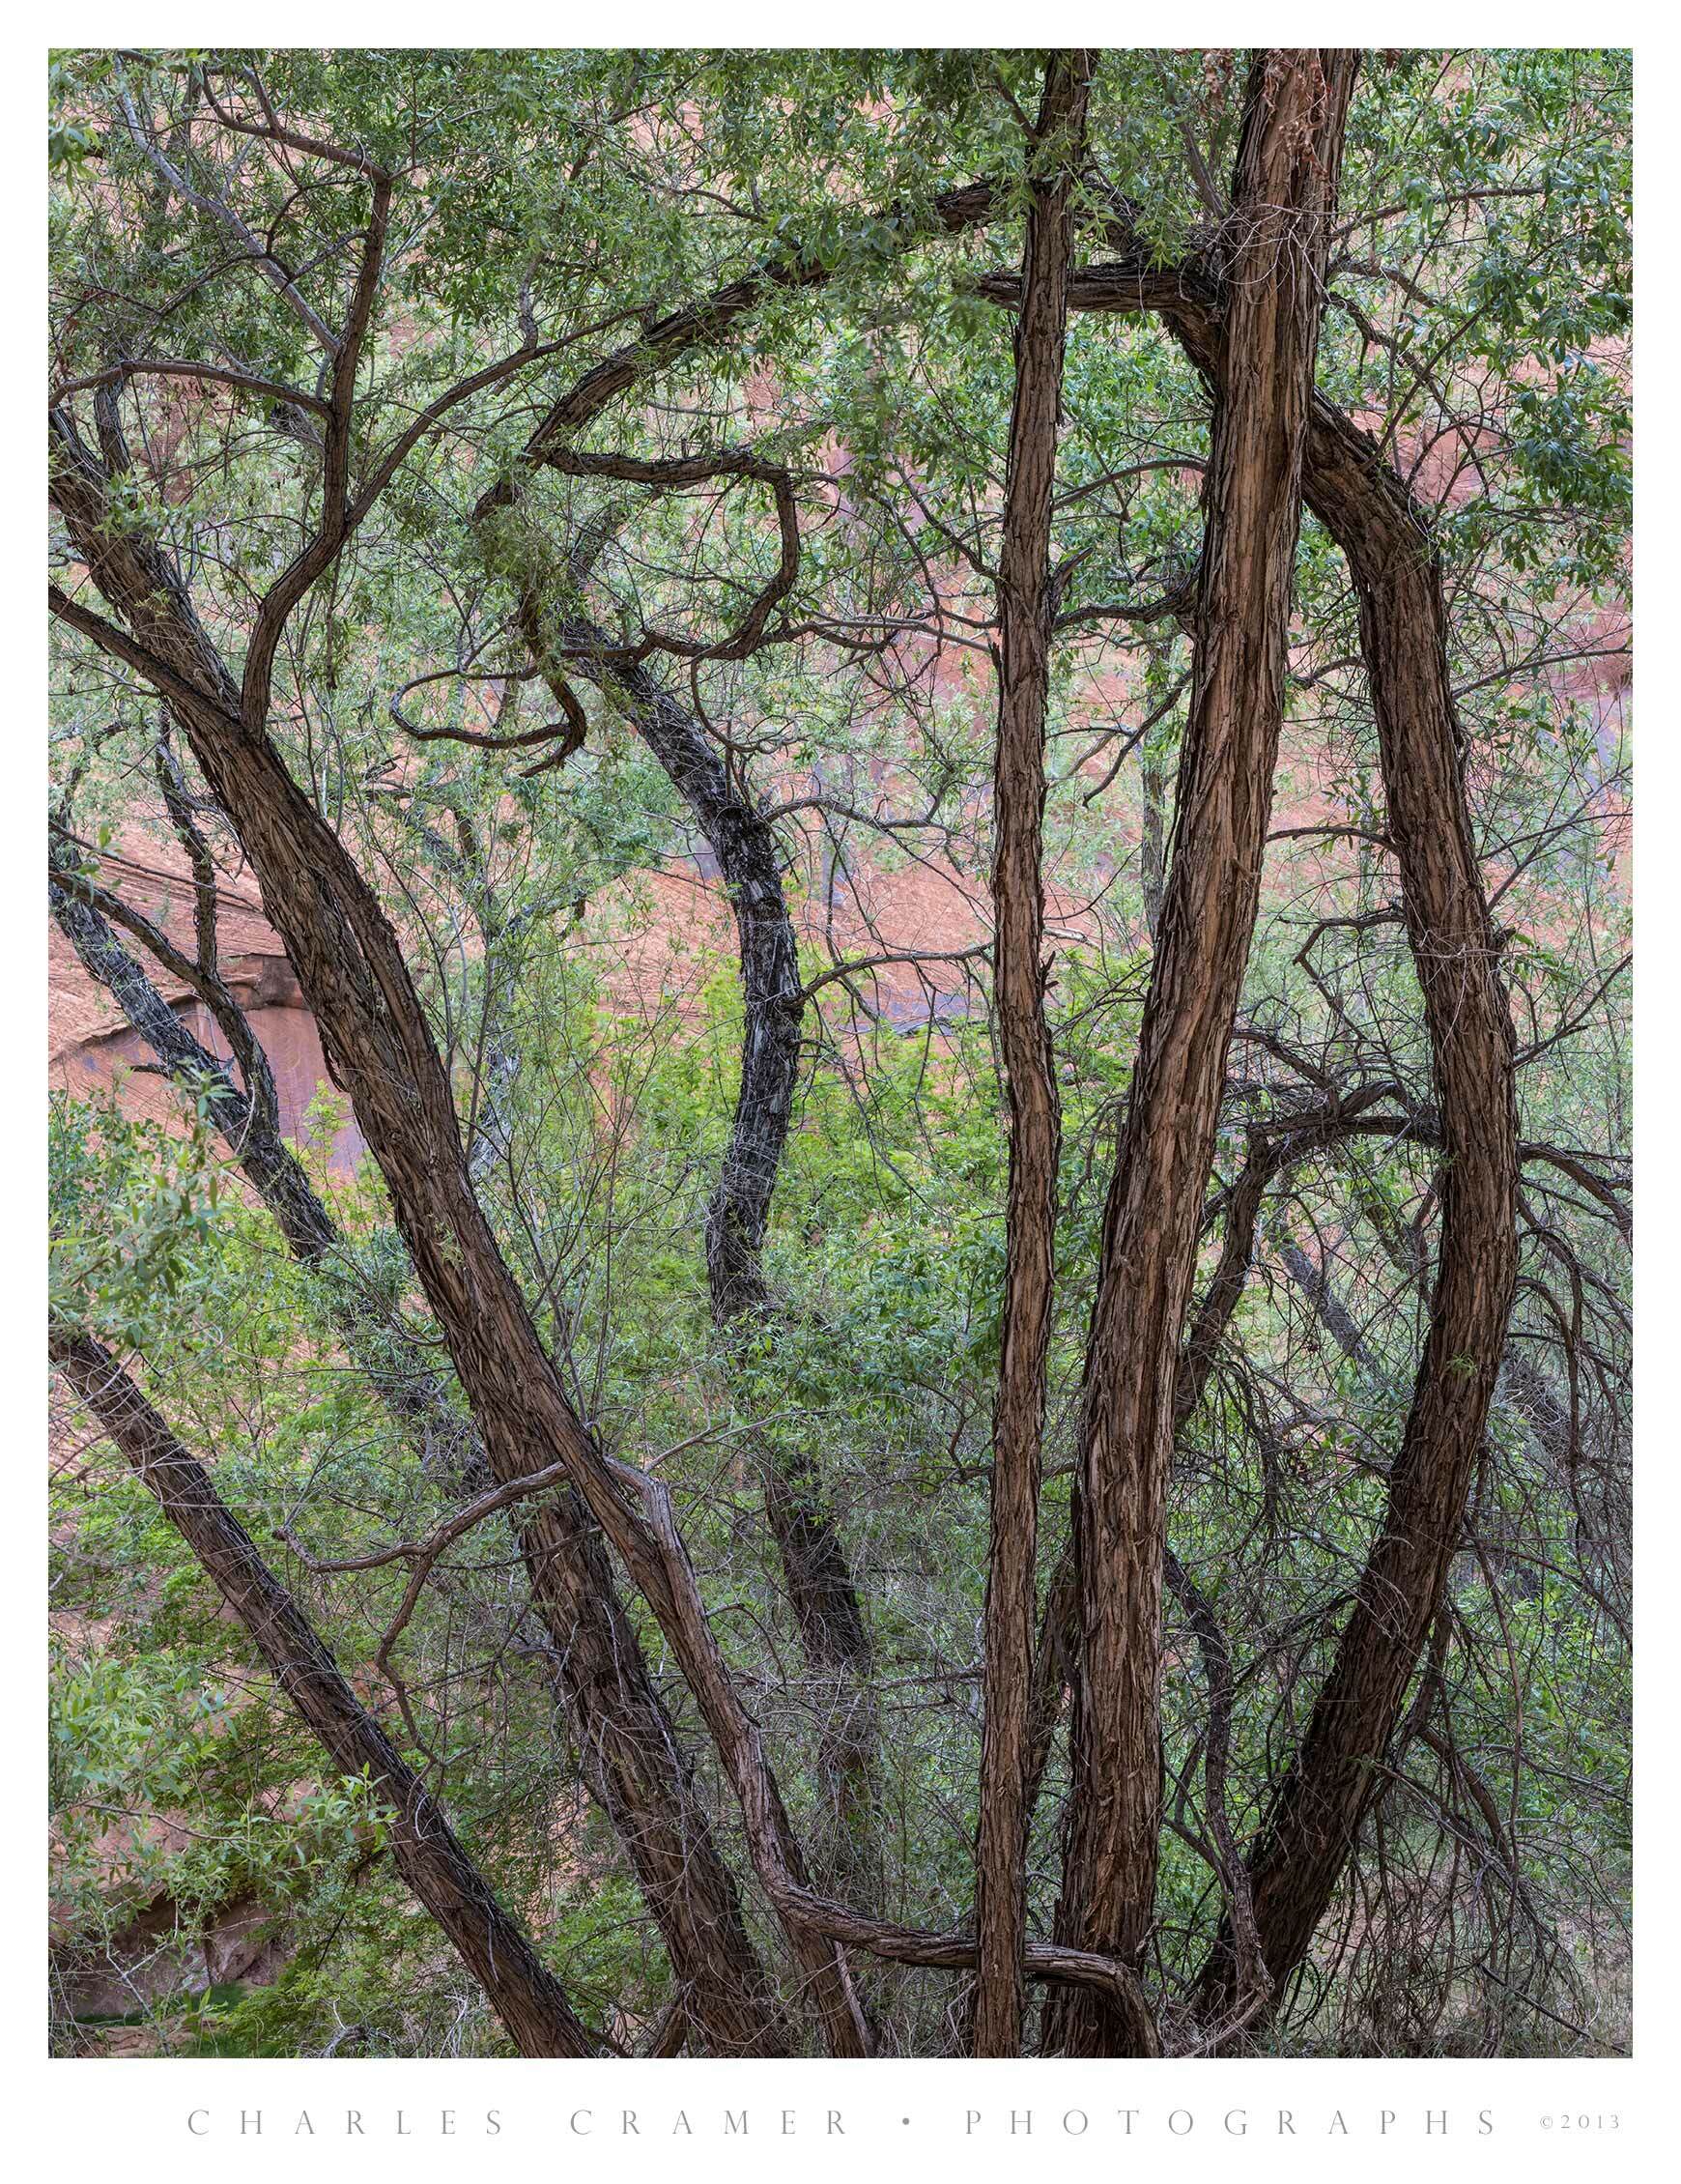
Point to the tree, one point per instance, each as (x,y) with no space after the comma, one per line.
(1283,200)
(1025,612)
(391,396)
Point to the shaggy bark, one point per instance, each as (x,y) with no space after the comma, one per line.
(1397,575)
(1396,571)
(1273,247)
(1272,1154)
(1354,492)
(1386,540)
(1025,612)
(523,1993)
(661,1821)
(1390,552)
(374,1031)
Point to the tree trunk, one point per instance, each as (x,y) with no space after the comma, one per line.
(249,1127)
(1271,1153)
(816,1573)
(1273,247)
(523,1993)
(1152,782)
(1396,571)
(1397,575)
(1368,510)
(1025,612)
(374,1031)
(1333,1316)
(635,1771)
(1311,1829)
(268,1162)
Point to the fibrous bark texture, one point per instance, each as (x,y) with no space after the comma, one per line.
(1026,613)
(1397,575)
(635,1772)
(1311,1829)
(1273,250)
(1236,312)
(523,1993)
(374,1030)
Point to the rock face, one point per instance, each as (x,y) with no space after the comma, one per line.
(165,1956)
(90,1046)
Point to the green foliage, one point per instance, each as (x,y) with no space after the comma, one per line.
(128,1203)
(1476,323)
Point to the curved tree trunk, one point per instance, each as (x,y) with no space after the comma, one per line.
(627,1748)
(1284,189)
(523,1993)
(1026,611)
(1388,550)
(816,1573)
(1354,490)
(249,1125)
(1311,1829)
(1396,572)
(374,1031)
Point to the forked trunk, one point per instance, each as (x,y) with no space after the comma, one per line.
(1397,576)
(1310,1832)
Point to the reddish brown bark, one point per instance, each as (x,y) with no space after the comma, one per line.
(523,1993)
(1310,1831)
(1018,790)
(1274,252)
(1396,571)
(374,1030)
(1389,549)
(1271,1153)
